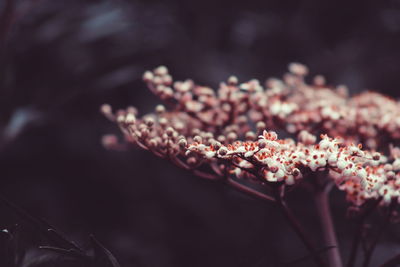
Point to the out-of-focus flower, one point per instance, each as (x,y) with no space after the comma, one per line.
(214,133)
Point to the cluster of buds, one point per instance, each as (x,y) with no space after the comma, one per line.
(229,132)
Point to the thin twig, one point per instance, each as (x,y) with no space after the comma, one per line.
(360,220)
(304,258)
(392,262)
(371,248)
(249,190)
(295,224)
(206,175)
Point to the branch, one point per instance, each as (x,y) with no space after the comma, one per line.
(371,248)
(392,262)
(249,190)
(360,220)
(322,204)
(205,175)
(295,224)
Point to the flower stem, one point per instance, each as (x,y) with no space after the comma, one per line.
(370,250)
(295,224)
(250,191)
(360,220)
(329,235)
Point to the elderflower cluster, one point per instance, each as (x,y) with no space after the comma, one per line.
(231,132)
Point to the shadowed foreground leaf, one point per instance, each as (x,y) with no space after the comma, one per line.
(60,250)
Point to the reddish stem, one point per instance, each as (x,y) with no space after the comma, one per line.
(370,250)
(249,190)
(360,220)
(295,224)
(330,239)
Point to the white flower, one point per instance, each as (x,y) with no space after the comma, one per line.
(324,143)
(248,154)
(279,174)
(270,177)
(222,151)
(333,158)
(313,166)
(341,164)
(210,154)
(238,150)
(396,164)
(245,164)
(386,192)
(362,173)
(276,108)
(290,180)
(348,171)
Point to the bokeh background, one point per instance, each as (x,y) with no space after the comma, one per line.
(60,60)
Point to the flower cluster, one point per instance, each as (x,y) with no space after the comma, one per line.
(230,132)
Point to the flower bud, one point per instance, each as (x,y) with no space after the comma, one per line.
(149,121)
(232,80)
(106,109)
(262,143)
(169,131)
(260,126)
(197,139)
(222,151)
(160,109)
(182,143)
(376,156)
(191,161)
(161,70)
(148,76)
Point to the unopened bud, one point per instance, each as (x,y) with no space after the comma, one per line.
(216,145)
(106,109)
(262,143)
(376,156)
(148,76)
(231,136)
(298,69)
(222,151)
(167,79)
(197,139)
(161,70)
(160,109)
(221,138)
(182,143)
(191,161)
(261,126)
(319,80)
(109,140)
(144,133)
(170,131)
(250,136)
(167,93)
(163,122)
(232,80)
(132,110)
(130,118)
(153,142)
(120,118)
(295,172)
(149,121)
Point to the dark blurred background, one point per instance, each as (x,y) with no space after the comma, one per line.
(60,60)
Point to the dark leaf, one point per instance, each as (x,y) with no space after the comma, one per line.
(103,256)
